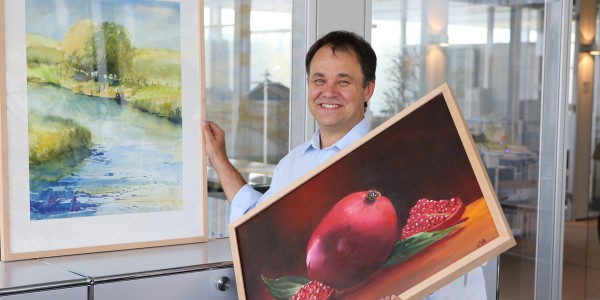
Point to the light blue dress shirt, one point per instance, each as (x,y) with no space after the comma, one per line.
(294,165)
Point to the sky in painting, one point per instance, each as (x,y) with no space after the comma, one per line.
(151,23)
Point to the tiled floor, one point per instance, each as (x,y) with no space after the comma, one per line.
(581,268)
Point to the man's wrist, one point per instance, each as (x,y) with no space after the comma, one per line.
(220,163)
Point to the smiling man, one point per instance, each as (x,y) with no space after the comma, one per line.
(340,69)
(338,90)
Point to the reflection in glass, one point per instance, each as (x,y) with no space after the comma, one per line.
(248,51)
(248,59)
(489,54)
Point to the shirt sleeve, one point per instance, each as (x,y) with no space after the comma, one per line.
(245,199)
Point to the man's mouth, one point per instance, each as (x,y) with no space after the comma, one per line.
(325,105)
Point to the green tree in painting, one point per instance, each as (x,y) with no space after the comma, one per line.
(118,52)
(98,51)
(79,49)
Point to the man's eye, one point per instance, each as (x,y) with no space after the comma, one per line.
(319,81)
(343,83)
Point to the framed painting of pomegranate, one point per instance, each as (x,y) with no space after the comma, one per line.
(401,212)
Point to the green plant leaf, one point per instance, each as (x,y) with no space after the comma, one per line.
(412,245)
(284,288)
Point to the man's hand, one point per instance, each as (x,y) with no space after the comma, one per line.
(214,141)
(214,138)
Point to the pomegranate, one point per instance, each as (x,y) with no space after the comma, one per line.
(352,240)
(431,215)
(314,290)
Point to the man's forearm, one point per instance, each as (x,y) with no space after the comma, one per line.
(230,178)
(214,138)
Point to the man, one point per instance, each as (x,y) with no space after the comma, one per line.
(340,69)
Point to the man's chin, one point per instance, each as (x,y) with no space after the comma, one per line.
(328,123)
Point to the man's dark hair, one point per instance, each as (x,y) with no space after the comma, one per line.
(347,41)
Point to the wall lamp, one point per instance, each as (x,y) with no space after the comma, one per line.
(439,39)
(592,49)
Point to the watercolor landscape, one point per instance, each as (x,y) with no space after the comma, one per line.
(104,108)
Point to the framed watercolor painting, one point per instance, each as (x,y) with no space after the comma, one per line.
(101,146)
(401,212)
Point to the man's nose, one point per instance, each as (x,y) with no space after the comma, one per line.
(330,90)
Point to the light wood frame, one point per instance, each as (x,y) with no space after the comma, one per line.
(20,237)
(425,151)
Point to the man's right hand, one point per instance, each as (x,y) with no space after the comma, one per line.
(214,141)
(214,138)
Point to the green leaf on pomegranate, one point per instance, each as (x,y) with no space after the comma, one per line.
(412,245)
(284,288)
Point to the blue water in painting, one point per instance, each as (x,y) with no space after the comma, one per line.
(135,165)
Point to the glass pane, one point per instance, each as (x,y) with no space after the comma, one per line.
(248,50)
(491,56)
(592,224)
(248,74)
(581,258)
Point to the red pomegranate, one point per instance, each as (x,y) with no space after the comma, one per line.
(431,215)
(314,290)
(353,239)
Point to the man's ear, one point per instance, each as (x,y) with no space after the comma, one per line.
(369,90)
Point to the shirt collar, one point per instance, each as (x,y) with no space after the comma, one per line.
(354,134)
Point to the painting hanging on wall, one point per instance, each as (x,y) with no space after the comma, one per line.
(401,212)
(101,144)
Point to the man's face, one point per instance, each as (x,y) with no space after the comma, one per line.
(336,95)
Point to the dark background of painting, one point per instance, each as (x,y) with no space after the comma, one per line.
(420,156)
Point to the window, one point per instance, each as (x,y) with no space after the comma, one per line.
(248,74)
(490,55)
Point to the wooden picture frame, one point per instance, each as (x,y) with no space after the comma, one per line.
(100,136)
(424,152)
